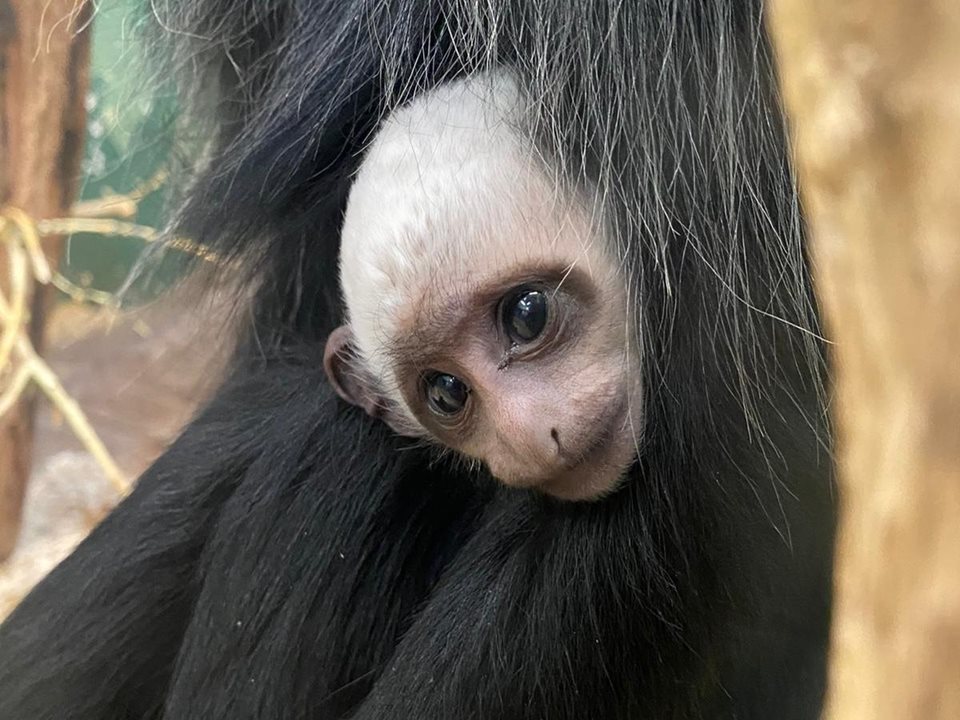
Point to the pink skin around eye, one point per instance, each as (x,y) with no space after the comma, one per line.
(555,426)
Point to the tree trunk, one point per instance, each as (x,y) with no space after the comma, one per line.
(872,89)
(43,82)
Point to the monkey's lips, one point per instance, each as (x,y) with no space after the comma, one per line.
(598,468)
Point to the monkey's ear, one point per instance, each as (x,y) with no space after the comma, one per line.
(347,374)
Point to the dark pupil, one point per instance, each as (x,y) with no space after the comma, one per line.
(446,394)
(525,316)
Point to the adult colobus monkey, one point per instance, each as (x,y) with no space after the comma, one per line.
(291,556)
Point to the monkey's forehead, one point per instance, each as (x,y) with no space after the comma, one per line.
(449,181)
(434,184)
(484,107)
(456,139)
(440,226)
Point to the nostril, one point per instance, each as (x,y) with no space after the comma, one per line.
(556,437)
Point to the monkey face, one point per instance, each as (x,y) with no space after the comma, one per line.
(486,308)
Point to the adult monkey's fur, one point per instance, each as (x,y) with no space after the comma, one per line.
(289,558)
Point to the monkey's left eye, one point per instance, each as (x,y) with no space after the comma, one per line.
(525,315)
(446,394)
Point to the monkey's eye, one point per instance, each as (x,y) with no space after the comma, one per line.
(446,394)
(524,315)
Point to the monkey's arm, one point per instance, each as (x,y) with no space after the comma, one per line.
(314,569)
(98,637)
(547,615)
(571,611)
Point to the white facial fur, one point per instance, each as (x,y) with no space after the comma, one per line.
(414,204)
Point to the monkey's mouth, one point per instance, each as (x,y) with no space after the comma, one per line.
(597,468)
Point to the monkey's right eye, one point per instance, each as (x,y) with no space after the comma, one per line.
(525,315)
(446,394)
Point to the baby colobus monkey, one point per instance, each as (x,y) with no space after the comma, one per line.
(485,306)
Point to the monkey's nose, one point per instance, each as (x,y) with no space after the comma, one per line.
(555,436)
(552,453)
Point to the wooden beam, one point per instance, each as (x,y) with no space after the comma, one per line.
(43,82)
(872,90)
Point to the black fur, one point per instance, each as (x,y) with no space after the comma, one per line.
(289,558)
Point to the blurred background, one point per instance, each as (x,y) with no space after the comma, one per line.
(136,368)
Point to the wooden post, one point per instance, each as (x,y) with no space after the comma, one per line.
(43,82)
(872,90)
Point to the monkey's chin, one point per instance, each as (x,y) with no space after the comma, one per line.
(592,479)
(599,474)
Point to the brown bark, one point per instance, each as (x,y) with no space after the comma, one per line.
(872,88)
(43,81)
